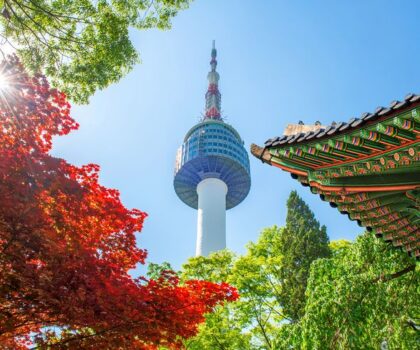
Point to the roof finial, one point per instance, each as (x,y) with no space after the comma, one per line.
(213,97)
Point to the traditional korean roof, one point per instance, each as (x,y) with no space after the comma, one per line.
(368,168)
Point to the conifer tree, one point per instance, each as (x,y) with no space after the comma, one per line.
(303,240)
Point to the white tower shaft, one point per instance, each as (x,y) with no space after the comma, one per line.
(211,223)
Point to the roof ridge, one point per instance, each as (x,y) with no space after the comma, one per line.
(353,122)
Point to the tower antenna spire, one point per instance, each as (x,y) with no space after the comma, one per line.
(213,96)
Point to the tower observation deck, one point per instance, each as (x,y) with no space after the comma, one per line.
(212,169)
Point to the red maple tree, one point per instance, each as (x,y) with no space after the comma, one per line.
(67,243)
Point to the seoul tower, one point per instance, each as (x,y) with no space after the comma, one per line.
(212,169)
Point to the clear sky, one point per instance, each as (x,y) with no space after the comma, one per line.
(279,62)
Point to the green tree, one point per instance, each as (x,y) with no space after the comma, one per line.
(224,328)
(366,295)
(302,242)
(299,292)
(250,322)
(255,320)
(338,245)
(82,45)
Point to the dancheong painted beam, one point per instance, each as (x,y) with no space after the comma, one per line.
(368,168)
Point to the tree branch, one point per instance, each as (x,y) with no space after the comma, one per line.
(386,278)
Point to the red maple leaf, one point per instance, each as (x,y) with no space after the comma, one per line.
(67,243)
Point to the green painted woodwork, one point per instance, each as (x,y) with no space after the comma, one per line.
(395,177)
(377,136)
(320,154)
(395,131)
(381,155)
(363,142)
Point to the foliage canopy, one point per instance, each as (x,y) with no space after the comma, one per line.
(271,279)
(366,295)
(302,242)
(298,293)
(81,45)
(67,243)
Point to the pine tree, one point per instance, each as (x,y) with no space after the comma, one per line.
(303,240)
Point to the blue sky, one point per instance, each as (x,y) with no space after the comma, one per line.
(279,62)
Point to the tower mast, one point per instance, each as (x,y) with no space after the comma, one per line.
(213,96)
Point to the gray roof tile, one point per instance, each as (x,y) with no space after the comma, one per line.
(342,126)
(408,97)
(357,122)
(345,126)
(302,137)
(401,104)
(384,111)
(334,129)
(294,138)
(269,142)
(315,133)
(365,115)
(284,140)
(308,135)
(327,129)
(394,103)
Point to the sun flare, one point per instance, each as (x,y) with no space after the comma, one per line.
(4,82)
